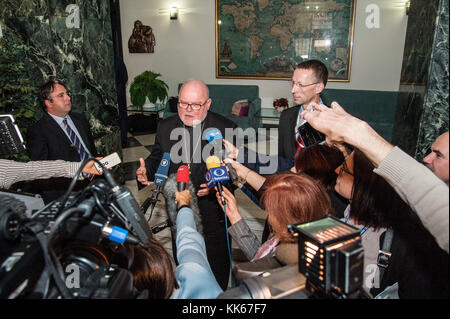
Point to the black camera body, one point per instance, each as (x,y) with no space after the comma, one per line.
(330,266)
(62,251)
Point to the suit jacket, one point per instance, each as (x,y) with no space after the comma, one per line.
(287,144)
(47,141)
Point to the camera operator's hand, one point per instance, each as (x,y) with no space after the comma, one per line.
(182,198)
(232,210)
(141,174)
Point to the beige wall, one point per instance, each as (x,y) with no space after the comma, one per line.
(185,48)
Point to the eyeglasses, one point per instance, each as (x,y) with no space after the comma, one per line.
(62,94)
(344,168)
(298,84)
(194,106)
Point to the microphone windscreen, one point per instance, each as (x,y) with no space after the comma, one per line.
(183,174)
(171,207)
(212,162)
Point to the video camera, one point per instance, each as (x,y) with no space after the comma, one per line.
(330,265)
(72,247)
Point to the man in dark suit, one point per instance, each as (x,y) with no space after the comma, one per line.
(185,132)
(59,135)
(308,81)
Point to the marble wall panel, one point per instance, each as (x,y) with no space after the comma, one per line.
(81,57)
(423,93)
(435,118)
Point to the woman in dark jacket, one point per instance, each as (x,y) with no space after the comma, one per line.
(417,264)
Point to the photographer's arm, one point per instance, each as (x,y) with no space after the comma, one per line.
(13,172)
(239,229)
(341,127)
(193,272)
(252,178)
(418,186)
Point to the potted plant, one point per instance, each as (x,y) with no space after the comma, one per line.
(147,86)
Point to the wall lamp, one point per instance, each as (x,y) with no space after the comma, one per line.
(173,13)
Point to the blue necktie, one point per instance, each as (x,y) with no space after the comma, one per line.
(78,146)
(76,141)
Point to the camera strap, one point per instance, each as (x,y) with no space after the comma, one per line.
(384,254)
(38,231)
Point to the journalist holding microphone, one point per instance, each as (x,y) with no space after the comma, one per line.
(194,279)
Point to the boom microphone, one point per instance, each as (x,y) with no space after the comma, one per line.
(172,208)
(182,177)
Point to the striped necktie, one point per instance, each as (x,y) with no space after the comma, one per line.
(75,141)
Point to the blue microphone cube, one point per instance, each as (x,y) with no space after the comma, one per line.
(216,175)
(118,235)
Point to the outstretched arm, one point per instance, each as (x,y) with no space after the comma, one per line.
(425,193)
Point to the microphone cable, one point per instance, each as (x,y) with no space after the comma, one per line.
(228,243)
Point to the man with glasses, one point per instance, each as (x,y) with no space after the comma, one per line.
(59,135)
(308,81)
(188,129)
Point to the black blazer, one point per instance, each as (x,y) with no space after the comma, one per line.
(287,144)
(47,141)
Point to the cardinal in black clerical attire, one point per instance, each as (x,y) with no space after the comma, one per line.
(187,143)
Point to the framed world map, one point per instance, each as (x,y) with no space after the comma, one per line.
(266,39)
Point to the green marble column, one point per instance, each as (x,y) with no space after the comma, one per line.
(435,117)
(82,57)
(422,109)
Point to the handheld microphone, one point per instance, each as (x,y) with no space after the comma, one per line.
(163,171)
(214,137)
(159,180)
(182,177)
(216,174)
